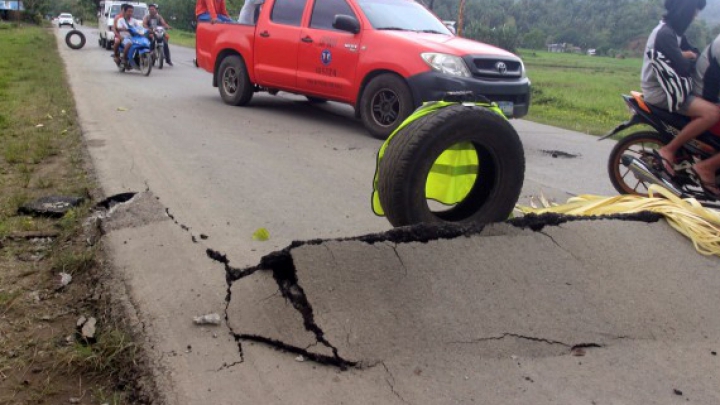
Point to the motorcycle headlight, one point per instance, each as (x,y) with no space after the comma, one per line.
(448,64)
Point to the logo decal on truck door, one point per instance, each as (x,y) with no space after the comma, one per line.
(326,57)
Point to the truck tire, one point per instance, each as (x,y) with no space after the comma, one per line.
(108,45)
(70,43)
(408,158)
(234,82)
(384,105)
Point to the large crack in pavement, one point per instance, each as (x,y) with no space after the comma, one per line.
(282,268)
(445,309)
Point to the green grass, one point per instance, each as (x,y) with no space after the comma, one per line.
(580,92)
(182,38)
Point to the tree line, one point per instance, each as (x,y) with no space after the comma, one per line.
(609,26)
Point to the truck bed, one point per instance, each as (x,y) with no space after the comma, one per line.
(213,38)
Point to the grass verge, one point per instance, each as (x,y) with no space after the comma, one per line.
(580,92)
(42,359)
(182,38)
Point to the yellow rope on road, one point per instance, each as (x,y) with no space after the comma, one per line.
(701,225)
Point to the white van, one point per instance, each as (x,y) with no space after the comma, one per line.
(108,10)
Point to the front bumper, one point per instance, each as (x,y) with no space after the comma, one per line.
(433,86)
(110,36)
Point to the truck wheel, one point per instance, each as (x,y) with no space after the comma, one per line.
(234,82)
(101,43)
(108,45)
(385,103)
(72,44)
(404,169)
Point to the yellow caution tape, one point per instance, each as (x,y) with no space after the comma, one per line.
(687,216)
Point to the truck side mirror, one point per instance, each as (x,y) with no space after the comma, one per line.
(347,23)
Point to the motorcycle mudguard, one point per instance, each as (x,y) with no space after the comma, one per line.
(634,120)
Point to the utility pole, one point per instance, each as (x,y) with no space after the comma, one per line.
(461,13)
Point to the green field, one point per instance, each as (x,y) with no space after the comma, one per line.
(580,92)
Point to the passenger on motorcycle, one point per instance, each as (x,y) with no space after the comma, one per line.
(151,22)
(123,27)
(706,84)
(668,38)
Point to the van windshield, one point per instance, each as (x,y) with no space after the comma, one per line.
(139,12)
(401,15)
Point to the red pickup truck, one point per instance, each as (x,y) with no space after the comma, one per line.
(384,57)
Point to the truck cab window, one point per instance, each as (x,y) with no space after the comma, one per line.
(288,12)
(324,12)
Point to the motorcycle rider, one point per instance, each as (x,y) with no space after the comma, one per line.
(706,84)
(152,21)
(669,39)
(123,25)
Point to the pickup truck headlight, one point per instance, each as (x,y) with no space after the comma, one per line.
(523,72)
(448,64)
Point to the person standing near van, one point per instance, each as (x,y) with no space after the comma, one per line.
(152,21)
(212,11)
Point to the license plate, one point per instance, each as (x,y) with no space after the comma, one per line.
(506,107)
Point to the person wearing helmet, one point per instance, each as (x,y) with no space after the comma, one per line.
(151,22)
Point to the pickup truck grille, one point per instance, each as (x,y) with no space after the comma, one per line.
(495,68)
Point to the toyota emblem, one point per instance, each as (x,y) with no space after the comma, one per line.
(501,67)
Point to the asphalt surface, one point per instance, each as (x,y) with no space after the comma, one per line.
(496,317)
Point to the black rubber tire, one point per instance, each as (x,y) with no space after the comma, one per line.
(316,100)
(161,62)
(146,63)
(108,45)
(411,153)
(69,42)
(615,167)
(101,42)
(234,82)
(385,103)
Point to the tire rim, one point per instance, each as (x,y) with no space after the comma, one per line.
(230,81)
(643,150)
(385,106)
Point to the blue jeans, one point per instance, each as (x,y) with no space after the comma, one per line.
(221,18)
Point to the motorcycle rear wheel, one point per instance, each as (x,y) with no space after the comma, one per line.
(639,145)
(146,63)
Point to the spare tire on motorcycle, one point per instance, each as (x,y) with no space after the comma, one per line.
(69,40)
(461,163)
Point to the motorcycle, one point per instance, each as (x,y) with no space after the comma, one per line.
(158,47)
(139,57)
(634,163)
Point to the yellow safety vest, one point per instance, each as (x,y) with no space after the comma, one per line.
(454,172)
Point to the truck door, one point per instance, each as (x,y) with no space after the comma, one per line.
(277,39)
(328,57)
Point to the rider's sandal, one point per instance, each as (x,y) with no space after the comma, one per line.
(668,166)
(709,188)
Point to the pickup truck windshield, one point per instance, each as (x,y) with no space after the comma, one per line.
(402,15)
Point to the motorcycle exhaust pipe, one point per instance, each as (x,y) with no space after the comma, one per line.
(644,174)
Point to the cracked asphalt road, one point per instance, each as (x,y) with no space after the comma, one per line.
(490,318)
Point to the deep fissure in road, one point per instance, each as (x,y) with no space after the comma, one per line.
(282,267)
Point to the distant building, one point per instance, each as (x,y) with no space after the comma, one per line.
(591,52)
(556,47)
